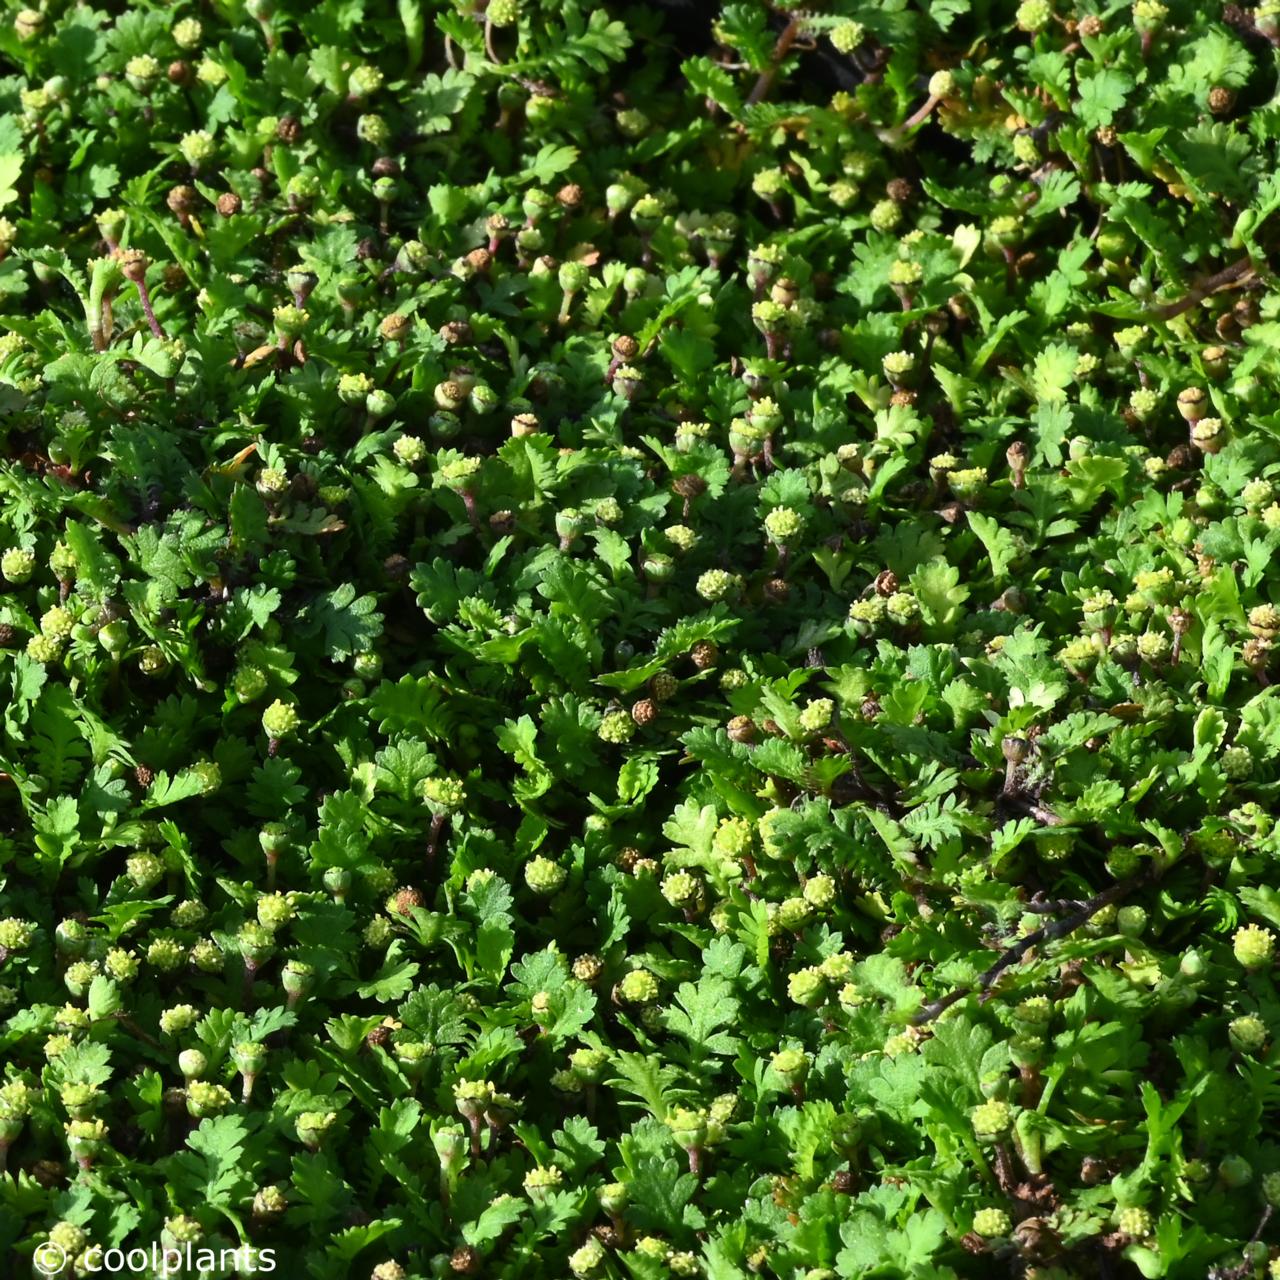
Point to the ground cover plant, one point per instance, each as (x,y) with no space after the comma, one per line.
(638,640)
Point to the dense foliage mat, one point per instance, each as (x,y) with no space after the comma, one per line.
(637,641)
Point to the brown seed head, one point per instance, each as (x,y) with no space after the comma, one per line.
(704,655)
(133,263)
(644,711)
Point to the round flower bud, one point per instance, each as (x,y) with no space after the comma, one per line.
(885,215)
(688,1127)
(942,84)
(544,876)
(165,954)
(807,987)
(274,910)
(991,1119)
(17,565)
(197,148)
(68,1238)
(783,525)
(187,33)
(193,1064)
(121,965)
(363,82)
(638,987)
(205,1099)
(280,720)
(792,1065)
(1247,1034)
(1237,763)
(312,1126)
(681,889)
(1033,15)
(616,727)
(373,129)
(541,1183)
(587,1260)
(573,276)
(989,1223)
(290,321)
(820,891)
(1253,946)
(27,25)
(1131,921)
(717,584)
(1257,494)
(56,624)
(817,715)
(211,72)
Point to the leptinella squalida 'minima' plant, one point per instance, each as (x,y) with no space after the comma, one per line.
(638,641)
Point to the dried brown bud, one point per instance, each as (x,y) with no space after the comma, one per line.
(625,347)
(229,204)
(1018,456)
(464,1260)
(663,687)
(133,263)
(644,711)
(48,1173)
(704,655)
(289,130)
(785,291)
(405,900)
(183,200)
(689,486)
(742,729)
(886,583)
(570,195)
(899,190)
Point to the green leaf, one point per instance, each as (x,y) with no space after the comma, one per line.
(10,171)
(1103,92)
(714,83)
(1000,543)
(552,159)
(346,625)
(701,1010)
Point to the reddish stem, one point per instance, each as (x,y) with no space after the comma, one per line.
(145,298)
